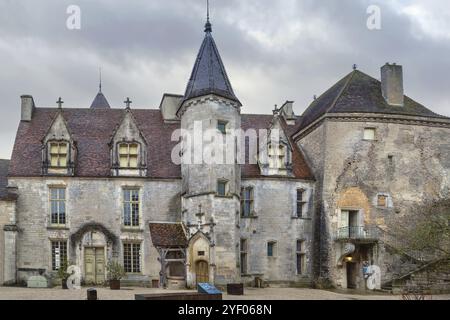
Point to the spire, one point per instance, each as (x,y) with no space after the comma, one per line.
(208,25)
(100,82)
(100,101)
(209,75)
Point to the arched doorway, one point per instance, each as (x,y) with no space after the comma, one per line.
(94,246)
(202,271)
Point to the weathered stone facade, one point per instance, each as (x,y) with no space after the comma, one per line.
(408,163)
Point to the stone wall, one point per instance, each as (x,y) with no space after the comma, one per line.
(96,201)
(275,207)
(7,264)
(408,163)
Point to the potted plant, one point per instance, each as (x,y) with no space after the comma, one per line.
(116,272)
(62,273)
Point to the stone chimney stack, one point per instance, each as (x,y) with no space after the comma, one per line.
(392,84)
(27,108)
(287,112)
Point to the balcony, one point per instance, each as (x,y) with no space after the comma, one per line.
(360,234)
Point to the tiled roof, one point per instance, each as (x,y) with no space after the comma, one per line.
(360,93)
(168,235)
(209,75)
(92,130)
(300,168)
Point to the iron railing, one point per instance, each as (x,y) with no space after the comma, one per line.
(357,233)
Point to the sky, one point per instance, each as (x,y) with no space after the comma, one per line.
(273,50)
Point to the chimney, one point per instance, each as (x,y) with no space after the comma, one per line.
(288,113)
(169,106)
(392,84)
(27,108)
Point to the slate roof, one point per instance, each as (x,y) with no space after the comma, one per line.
(168,235)
(92,130)
(209,75)
(360,93)
(100,102)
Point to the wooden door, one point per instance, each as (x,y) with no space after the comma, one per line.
(202,272)
(94,265)
(351,275)
(99,265)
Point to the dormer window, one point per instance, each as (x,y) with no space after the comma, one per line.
(277,156)
(58,154)
(128,155)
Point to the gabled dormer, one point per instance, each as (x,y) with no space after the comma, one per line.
(58,149)
(128,148)
(275,155)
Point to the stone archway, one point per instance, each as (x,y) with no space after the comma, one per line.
(200,269)
(93,245)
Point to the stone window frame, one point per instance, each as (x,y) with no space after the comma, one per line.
(222,126)
(274,249)
(366,129)
(243,253)
(301,203)
(130,203)
(387,199)
(300,254)
(284,159)
(52,253)
(58,199)
(59,155)
(132,244)
(128,154)
(226,187)
(243,199)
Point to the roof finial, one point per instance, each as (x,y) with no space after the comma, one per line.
(208,25)
(128,103)
(60,103)
(355,66)
(100,82)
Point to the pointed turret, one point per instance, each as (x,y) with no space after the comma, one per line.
(100,101)
(209,75)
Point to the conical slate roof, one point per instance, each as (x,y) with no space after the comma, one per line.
(100,102)
(209,75)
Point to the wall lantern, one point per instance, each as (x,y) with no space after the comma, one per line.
(348,259)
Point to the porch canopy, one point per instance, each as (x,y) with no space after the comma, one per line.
(171,242)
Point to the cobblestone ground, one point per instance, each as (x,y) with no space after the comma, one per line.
(13,293)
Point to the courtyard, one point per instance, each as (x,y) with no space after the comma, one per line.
(18,293)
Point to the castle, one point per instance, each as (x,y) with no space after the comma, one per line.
(92,185)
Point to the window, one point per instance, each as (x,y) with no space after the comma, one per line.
(128,155)
(247,202)
(277,156)
(300,203)
(222,187)
(222,126)
(131,205)
(243,249)
(59,254)
(369,134)
(301,257)
(132,257)
(382,201)
(58,154)
(271,248)
(58,206)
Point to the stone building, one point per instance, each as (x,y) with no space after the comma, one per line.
(309,202)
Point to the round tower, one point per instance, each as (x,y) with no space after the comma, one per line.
(210,114)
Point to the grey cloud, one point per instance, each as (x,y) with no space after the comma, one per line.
(273,51)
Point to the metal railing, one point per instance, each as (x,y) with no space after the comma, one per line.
(357,233)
